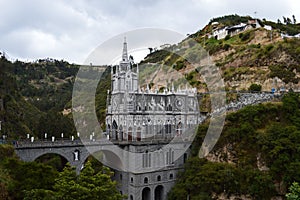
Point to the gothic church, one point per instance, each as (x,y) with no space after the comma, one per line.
(145,121)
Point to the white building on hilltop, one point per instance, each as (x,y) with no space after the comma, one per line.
(221,33)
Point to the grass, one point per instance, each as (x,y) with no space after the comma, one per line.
(235,72)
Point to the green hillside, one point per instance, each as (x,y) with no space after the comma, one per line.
(257,156)
(33,96)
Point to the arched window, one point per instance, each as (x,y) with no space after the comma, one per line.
(170,157)
(108,129)
(138,107)
(158,178)
(121,132)
(171,176)
(148,127)
(160,127)
(129,134)
(131,180)
(131,197)
(146,159)
(115,130)
(169,107)
(168,127)
(146,180)
(179,129)
(138,134)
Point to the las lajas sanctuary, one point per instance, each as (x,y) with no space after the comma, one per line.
(156,127)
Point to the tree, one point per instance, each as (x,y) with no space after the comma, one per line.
(5,181)
(39,194)
(278,21)
(150,49)
(255,87)
(294,193)
(290,105)
(88,185)
(294,19)
(284,20)
(288,21)
(66,186)
(27,176)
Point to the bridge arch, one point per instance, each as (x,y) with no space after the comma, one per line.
(107,158)
(55,160)
(39,154)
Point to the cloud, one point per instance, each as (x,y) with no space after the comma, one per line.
(70,30)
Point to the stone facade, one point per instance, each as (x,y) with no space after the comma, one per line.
(139,115)
(145,122)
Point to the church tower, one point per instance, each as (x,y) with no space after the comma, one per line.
(124,79)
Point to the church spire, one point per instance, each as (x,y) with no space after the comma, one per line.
(125,54)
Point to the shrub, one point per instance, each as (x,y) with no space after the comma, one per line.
(179,65)
(245,36)
(269,47)
(227,37)
(255,87)
(241,35)
(226,47)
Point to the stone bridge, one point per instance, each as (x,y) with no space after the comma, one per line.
(75,152)
(115,155)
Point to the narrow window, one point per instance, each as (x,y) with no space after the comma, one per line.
(146,180)
(158,178)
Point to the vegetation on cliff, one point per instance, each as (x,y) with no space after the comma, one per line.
(254,55)
(257,155)
(35,98)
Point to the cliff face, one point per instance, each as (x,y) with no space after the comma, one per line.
(262,60)
(255,55)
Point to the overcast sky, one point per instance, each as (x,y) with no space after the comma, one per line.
(72,29)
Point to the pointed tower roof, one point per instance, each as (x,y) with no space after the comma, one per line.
(125,54)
